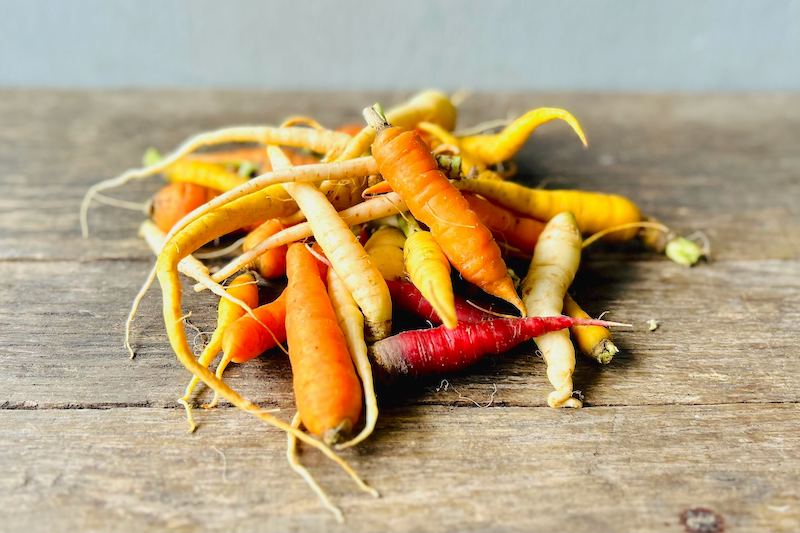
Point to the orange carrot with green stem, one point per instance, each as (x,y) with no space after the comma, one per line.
(405,162)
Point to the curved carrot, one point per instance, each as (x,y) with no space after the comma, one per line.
(519,232)
(553,267)
(498,147)
(327,390)
(407,165)
(211,175)
(594,211)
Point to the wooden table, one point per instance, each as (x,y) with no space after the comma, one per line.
(701,413)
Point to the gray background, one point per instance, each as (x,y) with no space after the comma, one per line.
(537,44)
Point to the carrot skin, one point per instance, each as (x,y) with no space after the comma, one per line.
(407,297)
(175,200)
(430,351)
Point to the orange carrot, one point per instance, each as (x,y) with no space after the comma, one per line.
(517,231)
(272,263)
(407,164)
(245,338)
(327,390)
(176,200)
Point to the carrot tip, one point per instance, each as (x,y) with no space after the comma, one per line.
(337,434)
(605,351)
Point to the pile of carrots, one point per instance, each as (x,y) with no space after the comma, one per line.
(404,214)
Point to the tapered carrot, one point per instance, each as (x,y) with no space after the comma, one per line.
(498,147)
(327,390)
(429,271)
(243,288)
(246,339)
(407,165)
(517,231)
(175,200)
(553,267)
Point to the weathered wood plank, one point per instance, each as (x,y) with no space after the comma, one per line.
(465,469)
(681,157)
(728,334)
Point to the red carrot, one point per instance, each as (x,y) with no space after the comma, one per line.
(421,352)
(407,297)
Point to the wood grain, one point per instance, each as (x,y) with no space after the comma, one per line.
(700,413)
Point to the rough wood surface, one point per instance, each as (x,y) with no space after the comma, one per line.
(700,413)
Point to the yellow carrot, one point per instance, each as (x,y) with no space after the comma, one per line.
(385,246)
(498,147)
(593,211)
(553,267)
(429,271)
(592,341)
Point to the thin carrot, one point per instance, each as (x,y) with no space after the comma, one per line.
(498,147)
(175,200)
(429,271)
(407,165)
(431,351)
(593,211)
(243,288)
(553,267)
(211,175)
(346,255)
(327,390)
(385,247)
(272,263)
(593,341)
(519,232)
